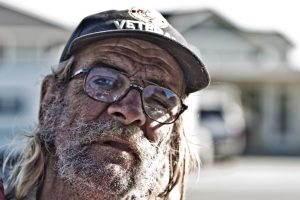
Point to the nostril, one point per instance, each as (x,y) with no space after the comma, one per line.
(122,117)
(119,115)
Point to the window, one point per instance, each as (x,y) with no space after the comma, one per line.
(216,114)
(283,115)
(10,105)
(1,53)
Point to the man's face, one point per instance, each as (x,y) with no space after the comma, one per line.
(115,148)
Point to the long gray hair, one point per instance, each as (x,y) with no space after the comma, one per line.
(27,174)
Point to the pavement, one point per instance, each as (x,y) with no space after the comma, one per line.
(247,178)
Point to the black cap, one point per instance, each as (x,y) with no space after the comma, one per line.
(144,24)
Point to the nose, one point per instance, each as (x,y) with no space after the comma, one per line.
(129,109)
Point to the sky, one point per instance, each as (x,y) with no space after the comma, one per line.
(256,15)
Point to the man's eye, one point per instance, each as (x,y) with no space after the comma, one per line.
(158,104)
(105,82)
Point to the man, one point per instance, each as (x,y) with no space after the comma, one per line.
(109,121)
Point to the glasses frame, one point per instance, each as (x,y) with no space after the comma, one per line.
(140,89)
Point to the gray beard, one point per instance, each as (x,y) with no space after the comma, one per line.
(89,176)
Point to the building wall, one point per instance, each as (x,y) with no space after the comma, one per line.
(219,47)
(257,64)
(27,53)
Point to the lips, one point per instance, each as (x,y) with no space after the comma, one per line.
(118,145)
(114,150)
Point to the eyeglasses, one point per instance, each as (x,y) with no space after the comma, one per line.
(109,85)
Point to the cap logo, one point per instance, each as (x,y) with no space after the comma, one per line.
(138,25)
(149,16)
(145,20)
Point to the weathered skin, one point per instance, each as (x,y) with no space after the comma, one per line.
(144,61)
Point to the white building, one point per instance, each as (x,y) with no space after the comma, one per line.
(257,63)
(29,45)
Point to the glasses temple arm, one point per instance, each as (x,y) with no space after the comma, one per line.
(80,71)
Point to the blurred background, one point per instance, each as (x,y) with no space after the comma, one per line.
(245,125)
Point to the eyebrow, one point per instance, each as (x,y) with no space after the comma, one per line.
(156,81)
(102,63)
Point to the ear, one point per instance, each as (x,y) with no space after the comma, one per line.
(49,93)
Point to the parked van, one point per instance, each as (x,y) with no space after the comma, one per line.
(199,138)
(218,109)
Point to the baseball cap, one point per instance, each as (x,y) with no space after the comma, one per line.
(144,24)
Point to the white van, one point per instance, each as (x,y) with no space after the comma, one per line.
(218,109)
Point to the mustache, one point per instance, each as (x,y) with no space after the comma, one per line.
(86,133)
(103,127)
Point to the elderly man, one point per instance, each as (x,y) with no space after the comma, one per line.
(109,121)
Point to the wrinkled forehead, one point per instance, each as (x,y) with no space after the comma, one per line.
(141,59)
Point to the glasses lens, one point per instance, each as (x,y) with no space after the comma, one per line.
(161,104)
(105,84)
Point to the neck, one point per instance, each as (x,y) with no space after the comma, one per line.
(54,187)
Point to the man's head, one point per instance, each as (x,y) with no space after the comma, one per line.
(110,115)
(115,145)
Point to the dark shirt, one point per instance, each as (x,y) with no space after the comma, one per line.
(2,197)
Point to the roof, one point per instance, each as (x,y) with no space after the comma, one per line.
(274,37)
(189,19)
(13,16)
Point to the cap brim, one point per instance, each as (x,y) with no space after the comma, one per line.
(195,73)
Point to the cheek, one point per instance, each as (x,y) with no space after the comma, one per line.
(157,133)
(91,109)
(80,107)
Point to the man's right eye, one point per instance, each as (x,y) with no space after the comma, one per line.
(105,82)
